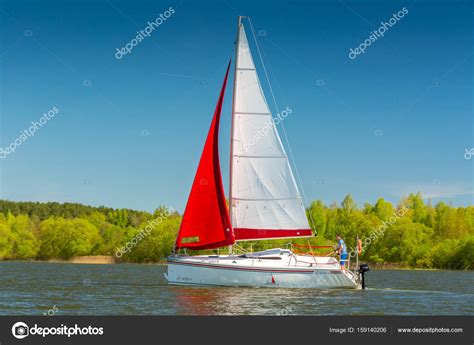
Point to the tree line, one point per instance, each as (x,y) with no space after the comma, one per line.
(413,233)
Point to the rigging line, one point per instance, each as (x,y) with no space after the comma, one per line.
(281,122)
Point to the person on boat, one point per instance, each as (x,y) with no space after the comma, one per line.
(341,250)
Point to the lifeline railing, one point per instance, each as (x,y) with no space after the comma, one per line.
(311,253)
(347,262)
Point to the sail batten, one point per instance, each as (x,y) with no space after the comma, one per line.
(265,201)
(272,199)
(243,156)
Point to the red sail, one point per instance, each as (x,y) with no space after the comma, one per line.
(206,222)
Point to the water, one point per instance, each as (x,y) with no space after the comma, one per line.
(34,288)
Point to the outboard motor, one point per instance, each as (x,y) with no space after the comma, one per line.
(362,269)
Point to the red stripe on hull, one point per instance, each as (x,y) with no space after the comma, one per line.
(240,268)
(261,234)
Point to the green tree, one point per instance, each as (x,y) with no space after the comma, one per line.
(6,244)
(22,238)
(383,209)
(417,205)
(317,215)
(64,238)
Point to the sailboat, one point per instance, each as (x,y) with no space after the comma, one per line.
(264,202)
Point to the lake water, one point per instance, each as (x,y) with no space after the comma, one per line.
(34,288)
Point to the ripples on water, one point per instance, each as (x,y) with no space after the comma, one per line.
(33,288)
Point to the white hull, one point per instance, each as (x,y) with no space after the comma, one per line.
(272,268)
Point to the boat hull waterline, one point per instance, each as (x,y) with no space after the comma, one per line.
(285,270)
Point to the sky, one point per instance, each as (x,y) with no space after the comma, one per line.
(129,132)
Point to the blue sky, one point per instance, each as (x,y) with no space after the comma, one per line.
(129,132)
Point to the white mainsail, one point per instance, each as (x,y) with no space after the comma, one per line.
(265,200)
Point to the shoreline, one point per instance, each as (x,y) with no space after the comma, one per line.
(110,260)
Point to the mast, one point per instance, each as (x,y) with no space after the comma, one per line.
(236,63)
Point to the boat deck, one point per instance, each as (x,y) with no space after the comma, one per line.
(274,258)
